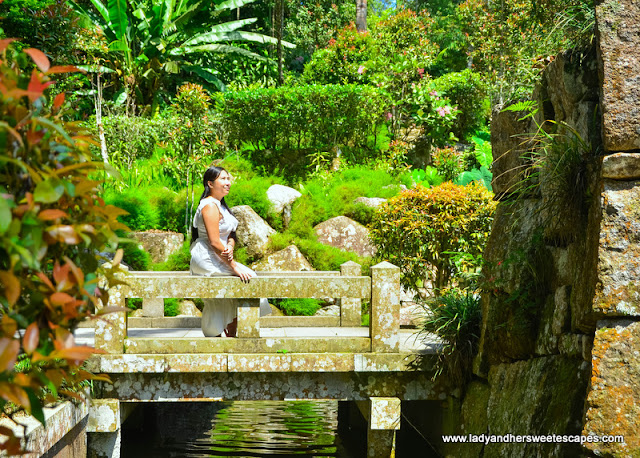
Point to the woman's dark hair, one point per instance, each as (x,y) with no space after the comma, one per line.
(211,174)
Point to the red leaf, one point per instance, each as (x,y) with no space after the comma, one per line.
(76,272)
(40,59)
(52,213)
(64,69)
(58,101)
(34,136)
(9,349)
(9,325)
(60,298)
(36,88)
(46,281)
(11,286)
(31,338)
(4,43)
(73,353)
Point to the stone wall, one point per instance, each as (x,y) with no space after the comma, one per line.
(560,333)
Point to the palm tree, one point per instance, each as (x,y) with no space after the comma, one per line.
(152,43)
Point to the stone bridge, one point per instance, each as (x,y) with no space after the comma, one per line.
(333,360)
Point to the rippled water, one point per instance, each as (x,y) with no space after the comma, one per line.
(248,429)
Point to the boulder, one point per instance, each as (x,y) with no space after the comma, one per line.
(617,23)
(289,259)
(346,234)
(332,310)
(253,232)
(159,244)
(372,202)
(188,308)
(281,198)
(411,314)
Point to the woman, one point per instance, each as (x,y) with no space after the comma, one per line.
(212,243)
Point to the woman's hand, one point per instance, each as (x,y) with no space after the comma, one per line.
(244,274)
(228,252)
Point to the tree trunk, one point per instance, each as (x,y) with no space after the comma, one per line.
(361,15)
(279,30)
(97,100)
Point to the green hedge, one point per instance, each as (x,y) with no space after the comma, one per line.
(290,127)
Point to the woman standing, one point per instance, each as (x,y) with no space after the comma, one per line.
(212,243)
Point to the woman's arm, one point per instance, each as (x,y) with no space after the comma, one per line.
(231,244)
(211,216)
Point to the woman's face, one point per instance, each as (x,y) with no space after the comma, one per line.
(220,187)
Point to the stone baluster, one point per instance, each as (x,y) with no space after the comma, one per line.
(350,308)
(111,328)
(384,323)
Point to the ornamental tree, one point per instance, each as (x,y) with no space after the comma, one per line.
(52,224)
(424,230)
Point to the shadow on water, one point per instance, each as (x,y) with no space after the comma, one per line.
(248,429)
(270,429)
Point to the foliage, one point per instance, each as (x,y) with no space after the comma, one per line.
(178,261)
(511,41)
(455,318)
(129,138)
(420,229)
(481,175)
(394,160)
(139,214)
(52,222)
(134,255)
(299,307)
(427,177)
(285,125)
(253,192)
(150,43)
(171,307)
(312,24)
(448,163)
(467,92)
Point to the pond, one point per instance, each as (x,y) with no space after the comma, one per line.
(247,428)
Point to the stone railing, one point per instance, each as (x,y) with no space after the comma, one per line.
(382,288)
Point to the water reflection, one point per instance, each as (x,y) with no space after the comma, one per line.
(247,428)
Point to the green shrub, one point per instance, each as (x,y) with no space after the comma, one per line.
(170,209)
(171,307)
(468,92)
(455,317)
(142,214)
(299,307)
(130,138)
(178,261)
(253,192)
(134,256)
(421,230)
(297,128)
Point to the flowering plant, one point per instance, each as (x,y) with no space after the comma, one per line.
(434,113)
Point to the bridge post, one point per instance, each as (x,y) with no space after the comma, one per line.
(104,427)
(111,328)
(384,323)
(350,308)
(249,318)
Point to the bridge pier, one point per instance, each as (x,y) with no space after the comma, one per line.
(104,429)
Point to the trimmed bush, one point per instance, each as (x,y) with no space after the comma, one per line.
(142,214)
(423,229)
(295,128)
(299,307)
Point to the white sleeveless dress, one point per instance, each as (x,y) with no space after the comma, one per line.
(217,313)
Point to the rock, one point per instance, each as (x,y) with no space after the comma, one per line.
(411,314)
(473,420)
(281,196)
(346,234)
(612,403)
(538,396)
(289,259)
(621,166)
(509,143)
(332,310)
(137,313)
(188,308)
(160,245)
(617,23)
(372,202)
(618,282)
(253,232)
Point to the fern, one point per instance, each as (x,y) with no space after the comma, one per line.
(529,106)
